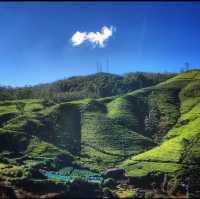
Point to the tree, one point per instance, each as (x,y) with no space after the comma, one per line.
(152,119)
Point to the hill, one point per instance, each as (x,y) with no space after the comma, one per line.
(169,157)
(96,85)
(148,132)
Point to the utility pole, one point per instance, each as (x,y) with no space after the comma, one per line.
(187,66)
(98,67)
(107,63)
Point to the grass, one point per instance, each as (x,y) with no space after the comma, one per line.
(95,160)
(168,151)
(144,168)
(18,122)
(110,125)
(99,131)
(37,147)
(122,110)
(10,171)
(31,131)
(108,130)
(188,76)
(10,106)
(108,139)
(168,156)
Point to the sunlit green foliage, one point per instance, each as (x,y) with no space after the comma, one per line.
(168,156)
(142,131)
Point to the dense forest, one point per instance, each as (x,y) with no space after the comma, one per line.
(96,85)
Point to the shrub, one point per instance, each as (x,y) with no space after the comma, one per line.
(48,102)
(20,107)
(109,182)
(107,192)
(149,195)
(139,193)
(80,188)
(19,173)
(80,183)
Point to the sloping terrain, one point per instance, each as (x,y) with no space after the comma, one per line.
(168,156)
(144,131)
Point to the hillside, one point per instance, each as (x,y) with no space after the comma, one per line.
(180,141)
(184,128)
(146,132)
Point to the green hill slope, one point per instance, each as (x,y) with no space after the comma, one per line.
(168,156)
(142,131)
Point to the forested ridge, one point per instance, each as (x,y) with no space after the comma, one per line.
(79,87)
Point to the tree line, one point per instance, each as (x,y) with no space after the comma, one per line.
(79,87)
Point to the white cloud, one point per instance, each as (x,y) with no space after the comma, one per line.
(95,38)
(78,38)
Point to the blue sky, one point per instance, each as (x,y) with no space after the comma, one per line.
(35,45)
